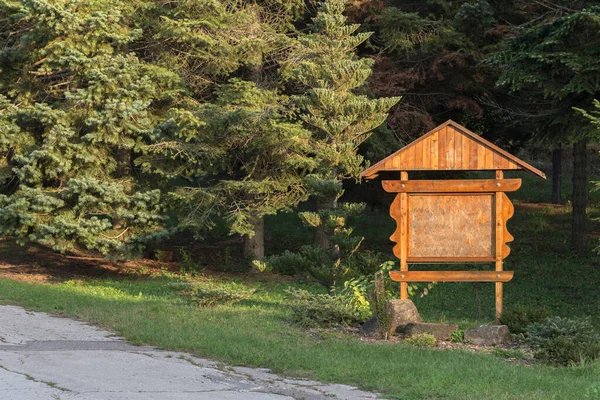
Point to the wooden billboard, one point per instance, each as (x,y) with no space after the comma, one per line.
(451,221)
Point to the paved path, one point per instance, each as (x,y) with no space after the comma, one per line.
(45,357)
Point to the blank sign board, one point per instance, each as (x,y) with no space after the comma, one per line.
(450,225)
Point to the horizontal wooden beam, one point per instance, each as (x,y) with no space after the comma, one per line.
(451,276)
(450,260)
(452,186)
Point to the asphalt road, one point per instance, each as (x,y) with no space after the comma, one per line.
(46,357)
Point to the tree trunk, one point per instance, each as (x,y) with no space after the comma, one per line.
(254,247)
(556,197)
(580,192)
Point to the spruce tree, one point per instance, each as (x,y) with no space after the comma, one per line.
(557,64)
(240,154)
(335,107)
(232,140)
(75,104)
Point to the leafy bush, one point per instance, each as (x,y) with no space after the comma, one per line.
(322,310)
(210,294)
(517,319)
(563,341)
(187,265)
(422,340)
(379,297)
(458,336)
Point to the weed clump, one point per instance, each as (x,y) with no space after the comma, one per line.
(210,294)
(322,310)
(422,340)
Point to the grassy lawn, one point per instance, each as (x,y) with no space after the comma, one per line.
(256,332)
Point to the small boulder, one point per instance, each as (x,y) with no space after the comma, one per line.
(439,331)
(402,312)
(492,335)
(370,326)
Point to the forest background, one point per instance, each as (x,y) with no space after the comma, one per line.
(125,124)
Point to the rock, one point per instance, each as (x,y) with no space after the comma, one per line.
(488,335)
(439,331)
(369,328)
(402,312)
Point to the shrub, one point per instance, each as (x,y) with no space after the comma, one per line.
(563,341)
(210,294)
(517,319)
(379,297)
(458,336)
(322,310)
(187,265)
(422,340)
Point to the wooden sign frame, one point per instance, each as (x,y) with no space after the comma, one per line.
(440,221)
(501,209)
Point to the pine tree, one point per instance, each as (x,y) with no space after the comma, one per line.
(233,140)
(240,154)
(334,107)
(558,63)
(75,103)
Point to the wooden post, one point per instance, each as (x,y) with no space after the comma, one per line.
(404,237)
(499,243)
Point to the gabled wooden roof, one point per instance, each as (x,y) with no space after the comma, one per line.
(450,147)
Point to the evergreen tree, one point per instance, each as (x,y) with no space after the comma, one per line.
(75,103)
(335,107)
(558,63)
(239,153)
(233,142)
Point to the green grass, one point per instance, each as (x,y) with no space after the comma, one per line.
(256,333)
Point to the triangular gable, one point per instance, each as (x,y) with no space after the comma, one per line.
(450,147)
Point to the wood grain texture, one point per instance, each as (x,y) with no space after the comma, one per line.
(426,153)
(450,226)
(434,151)
(452,186)
(451,276)
(508,210)
(404,236)
(442,149)
(450,147)
(458,139)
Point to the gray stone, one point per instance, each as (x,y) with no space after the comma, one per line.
(402,312)
(369,328)
(439,331)
(488,335)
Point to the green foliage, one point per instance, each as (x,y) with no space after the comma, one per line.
(555,63)
(187,264)
(361,290)
(75,104)
(378,299)
(520,317)
(563,341)
(325,63)
(329,266)
(422,340)
(458,336)
(210,294)
(518,354)
(240,153)
(321,310)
